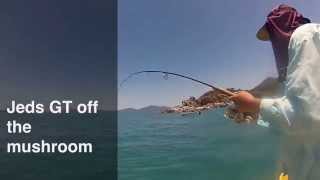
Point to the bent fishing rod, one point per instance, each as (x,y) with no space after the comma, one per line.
(224,91)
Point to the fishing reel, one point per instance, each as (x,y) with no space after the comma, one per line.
(238,117)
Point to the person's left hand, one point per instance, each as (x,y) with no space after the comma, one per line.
(246,102)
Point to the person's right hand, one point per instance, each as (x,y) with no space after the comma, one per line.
(246,102)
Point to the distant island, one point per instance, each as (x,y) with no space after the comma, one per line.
(151,108)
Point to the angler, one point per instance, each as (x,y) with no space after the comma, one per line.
(296,46)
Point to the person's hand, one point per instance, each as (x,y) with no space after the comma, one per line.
(246,102)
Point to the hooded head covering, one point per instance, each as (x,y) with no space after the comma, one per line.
(281,23)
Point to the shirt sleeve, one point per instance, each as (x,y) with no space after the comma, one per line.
(277,111)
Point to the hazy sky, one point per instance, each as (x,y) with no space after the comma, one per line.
(57,50)
(210,40)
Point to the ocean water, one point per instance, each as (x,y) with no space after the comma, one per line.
(155,146)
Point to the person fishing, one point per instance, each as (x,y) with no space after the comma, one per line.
(296,46)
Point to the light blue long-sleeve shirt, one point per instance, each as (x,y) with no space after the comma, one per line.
(298,111)
(301,103)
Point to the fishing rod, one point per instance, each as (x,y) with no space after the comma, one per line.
(224,91)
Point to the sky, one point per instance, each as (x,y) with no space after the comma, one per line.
(58,50)
(213,41)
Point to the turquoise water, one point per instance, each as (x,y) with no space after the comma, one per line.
(154,146)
